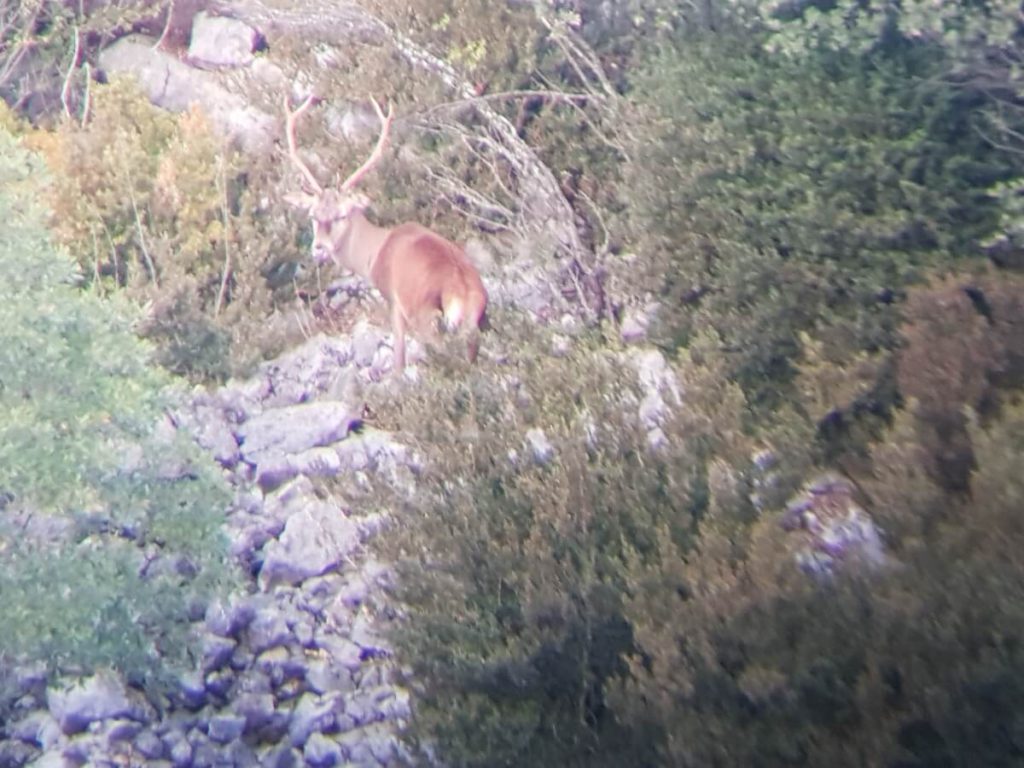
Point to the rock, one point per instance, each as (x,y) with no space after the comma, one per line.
(633,329)
(268,630)
(226,728)
(373,745)
(173,85)
(213,433)
(321,752)
(316,538)
(275,471)
(341,651)
(14,754)
(53,758)
(305,373)
(238,753)
(229,621)
(312,714)
(192,690)
(364,635)
(323,677)
(279,666)
(178,749)
(100,697)
(540,446)
(257,709)
(281,756)
(288,430)
(149,745)
(39,728)
(220,42)
(217,652)
(121,731)
(366,341)
(392,703)
(833,528)
(219,684)
(636,323)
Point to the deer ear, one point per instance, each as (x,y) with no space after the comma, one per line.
(302,199)
(358,202)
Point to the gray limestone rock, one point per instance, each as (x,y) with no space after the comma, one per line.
(100,697)
(220,42)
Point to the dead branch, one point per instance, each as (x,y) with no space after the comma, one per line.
(65,91)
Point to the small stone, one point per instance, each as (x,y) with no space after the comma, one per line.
(123,730)
(540,446)
(180,752)
(14,754)
(192,690)
(219,683)
(323,677)
(633,329)
(268,630)
(39,728)
(149,745)
(226,728)
(217,652)
(322,752)
(219,41)
(229,621)
(281,756)
(312,715)
(100,697)
(258,710)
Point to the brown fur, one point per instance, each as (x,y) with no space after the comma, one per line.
(422,274)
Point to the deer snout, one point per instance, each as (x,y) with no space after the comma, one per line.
(321,255)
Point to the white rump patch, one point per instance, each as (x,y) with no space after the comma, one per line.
(453,314)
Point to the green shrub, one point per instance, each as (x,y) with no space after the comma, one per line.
(155,205)
(513,567)
(774,196)
(80,447)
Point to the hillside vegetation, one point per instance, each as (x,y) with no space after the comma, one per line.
(815,561)
(109,533)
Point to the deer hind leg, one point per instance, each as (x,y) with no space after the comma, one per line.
(476,320)
(398,325)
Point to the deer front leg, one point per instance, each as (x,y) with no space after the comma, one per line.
(398,326)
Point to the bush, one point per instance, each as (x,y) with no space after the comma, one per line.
(772,197)
(540,487)
(111,532)
(154,205)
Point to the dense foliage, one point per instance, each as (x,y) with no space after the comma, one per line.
(153,205)
(109,534)
(817,224)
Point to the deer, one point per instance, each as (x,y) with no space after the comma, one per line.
(422,275)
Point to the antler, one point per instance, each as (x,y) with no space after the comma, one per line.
(290,119)
(378,150)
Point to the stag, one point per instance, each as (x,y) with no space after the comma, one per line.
(421,274)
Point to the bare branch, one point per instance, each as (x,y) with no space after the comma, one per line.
(142,237)
(87,97)
(65,92)
(228,268)
(508,96)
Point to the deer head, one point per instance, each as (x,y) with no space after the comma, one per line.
(331,210)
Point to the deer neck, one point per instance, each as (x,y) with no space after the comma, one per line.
(361,245)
